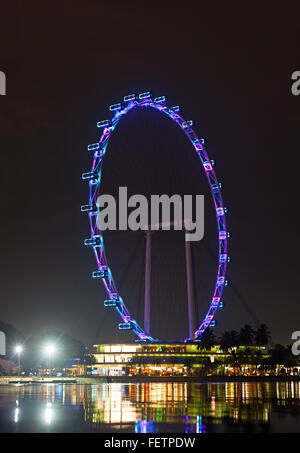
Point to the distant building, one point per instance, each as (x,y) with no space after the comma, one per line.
(162,359)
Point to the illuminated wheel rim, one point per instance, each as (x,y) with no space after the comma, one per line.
(96,240)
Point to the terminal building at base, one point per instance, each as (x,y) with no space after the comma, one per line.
(167,359)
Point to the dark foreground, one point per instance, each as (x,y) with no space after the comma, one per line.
(155,407)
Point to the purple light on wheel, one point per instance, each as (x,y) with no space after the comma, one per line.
(126,318)
(220,211)
(207,166)
(223,258)
(216,301)
(222,235)
(145,100)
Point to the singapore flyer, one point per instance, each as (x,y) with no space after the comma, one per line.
(142,148)
(95,241)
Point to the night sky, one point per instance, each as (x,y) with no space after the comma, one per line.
(229,66)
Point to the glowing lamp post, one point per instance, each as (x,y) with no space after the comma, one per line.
(19,349)
(49,350)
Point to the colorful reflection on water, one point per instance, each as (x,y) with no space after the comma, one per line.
(151,407)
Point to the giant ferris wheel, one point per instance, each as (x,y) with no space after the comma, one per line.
(103,271)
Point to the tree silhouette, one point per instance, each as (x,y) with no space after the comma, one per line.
(229,339)
(281,355)
(207,341)
(246,335)
(262,335)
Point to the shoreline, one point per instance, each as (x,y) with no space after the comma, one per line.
(14,380)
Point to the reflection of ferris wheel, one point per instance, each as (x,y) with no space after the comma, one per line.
(96,240)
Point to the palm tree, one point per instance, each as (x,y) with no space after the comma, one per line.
(229,339)
(246,335)
(281,355)
(207,341)
(234,338)
(225,341)
(262,335)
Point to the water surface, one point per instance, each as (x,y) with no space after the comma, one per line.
(151,407)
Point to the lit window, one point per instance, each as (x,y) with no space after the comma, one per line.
(116,348)
(129,348)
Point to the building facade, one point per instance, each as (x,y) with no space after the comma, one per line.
(166,359)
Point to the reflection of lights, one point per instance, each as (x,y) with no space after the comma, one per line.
(48,414)
(59,390)
(213,404)
(144,426)
(17,412)
(199,427)
(186,423)
(143,405)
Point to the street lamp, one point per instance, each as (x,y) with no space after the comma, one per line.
(18,350)
(49,350)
